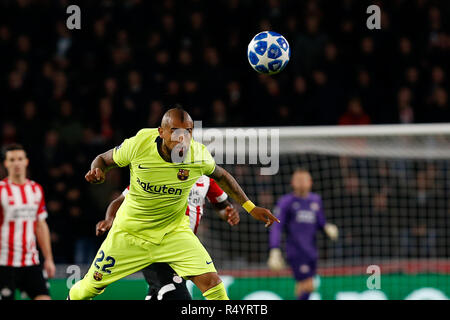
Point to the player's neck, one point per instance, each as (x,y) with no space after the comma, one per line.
(301,194)
(17,179)
(164,152)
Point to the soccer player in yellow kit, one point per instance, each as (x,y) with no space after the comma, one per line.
(151,225)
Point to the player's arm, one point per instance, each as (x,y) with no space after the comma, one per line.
(104,225)
(119,156)
(227,182)
(276,260)
(221,203)
(330,229)
(227,212)
(100,166)
(43,239)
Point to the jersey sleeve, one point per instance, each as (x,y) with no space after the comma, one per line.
(281,211)
(321,220)
(1,207)
(124,153)
(42,209)
(125,192)
(215,193)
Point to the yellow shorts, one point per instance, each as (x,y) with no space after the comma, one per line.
(122,254)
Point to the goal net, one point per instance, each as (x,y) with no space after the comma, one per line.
(386,187)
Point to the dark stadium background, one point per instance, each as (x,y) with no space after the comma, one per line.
(68,95)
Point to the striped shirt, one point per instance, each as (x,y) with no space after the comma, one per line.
(21,206)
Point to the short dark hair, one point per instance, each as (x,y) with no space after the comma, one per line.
(181,111)
(178,112)
(178,106)
(12,147)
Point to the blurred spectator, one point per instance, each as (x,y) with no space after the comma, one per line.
(412,81)
(308,45)
(407,54)
(106,121)
(368,93)
(32,131)
(68,126)
(156,111)
(299,102)
(419,238)
(9,133)
(323,101)
(368,56)
(438,109)
(355,114)
(235,98)
(64,41)
(219,115)
(131,108)
(405,109)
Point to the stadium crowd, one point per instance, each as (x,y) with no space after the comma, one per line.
(67,95)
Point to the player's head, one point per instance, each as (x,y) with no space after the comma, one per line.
(176,129)
(301,181)
(15,160)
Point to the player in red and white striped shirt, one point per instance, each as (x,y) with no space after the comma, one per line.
(204,188)
(162,279)
(22,224)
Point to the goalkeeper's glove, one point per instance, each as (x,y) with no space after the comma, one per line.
(332,231)
(276,261)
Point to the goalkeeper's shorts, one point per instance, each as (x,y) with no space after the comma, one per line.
(122,254)
(303,269)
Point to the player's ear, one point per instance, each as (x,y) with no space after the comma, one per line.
(160,130)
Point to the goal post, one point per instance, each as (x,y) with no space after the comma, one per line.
(386,187)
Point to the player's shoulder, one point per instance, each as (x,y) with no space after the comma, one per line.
(144,136)
(315,196)
(213,185)
(212,182)
(203,179)
(286,199)
(199,151)
(35,184)
(197,145)
(147,132)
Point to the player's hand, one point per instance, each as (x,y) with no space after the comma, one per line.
(102,227)
(332,231)
(232,216)
(49,267)
(264,215)
(276,261)
(95,176)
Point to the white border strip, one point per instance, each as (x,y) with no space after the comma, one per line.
(351,131)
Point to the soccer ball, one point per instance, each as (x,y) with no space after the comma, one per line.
(268,52)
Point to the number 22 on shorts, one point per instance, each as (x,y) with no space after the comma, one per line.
(111,262)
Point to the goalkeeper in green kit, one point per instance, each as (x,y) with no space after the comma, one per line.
(151,225)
